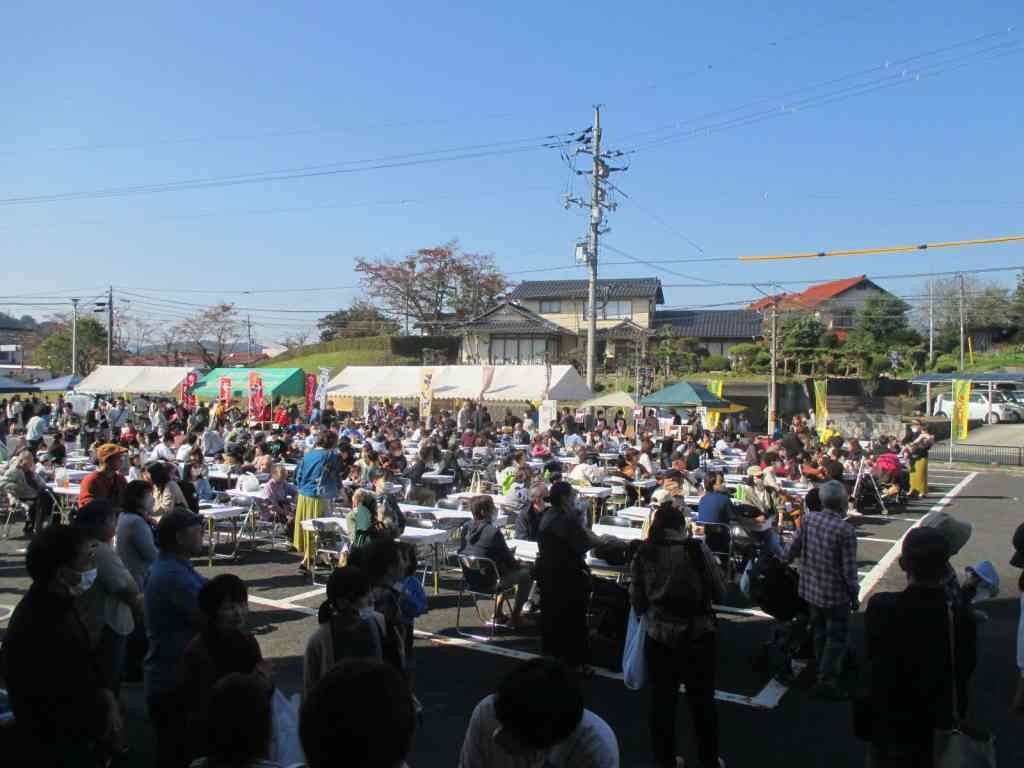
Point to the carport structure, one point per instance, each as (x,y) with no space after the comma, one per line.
(990,379)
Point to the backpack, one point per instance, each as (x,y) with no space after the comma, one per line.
(687,597)
(615,551)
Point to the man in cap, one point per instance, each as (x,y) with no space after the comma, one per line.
(105,482)
(172,620)
(918,669)
(827,547)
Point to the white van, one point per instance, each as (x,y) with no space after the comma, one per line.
(1003,409)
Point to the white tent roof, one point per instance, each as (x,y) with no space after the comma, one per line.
(611,400)
(511,383)
(134,379)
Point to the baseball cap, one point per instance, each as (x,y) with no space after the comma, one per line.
(173,523)
(986,572)
(105,451)
(1017,561)
(661,496)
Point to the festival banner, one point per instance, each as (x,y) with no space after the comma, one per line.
(188,400)
(310,392)
(820,405)
(426,393)
(487,377)
(715,387)
(547,413)
(547,380)
(255,395)
(961,408)
(225,390)
(323,376)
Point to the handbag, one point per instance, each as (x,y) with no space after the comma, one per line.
(959,748)
(634,662)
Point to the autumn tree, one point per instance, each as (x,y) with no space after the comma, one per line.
(54,353)
(213,333)
(361,319)
(431,282)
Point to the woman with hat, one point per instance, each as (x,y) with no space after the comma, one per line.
(106,482)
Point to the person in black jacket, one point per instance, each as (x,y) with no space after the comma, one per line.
(482,538)
(918,682)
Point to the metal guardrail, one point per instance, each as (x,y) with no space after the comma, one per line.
(1003,455)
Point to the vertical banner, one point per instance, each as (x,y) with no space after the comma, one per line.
(715,387)
(426,393)
(310,392)
(225,390)
(487,376)
(323,375)
(547,380)
(547,413)
(820,405)
(255,395)
(187,398)
(961,409)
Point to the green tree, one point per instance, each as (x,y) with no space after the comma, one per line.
(361,319)
(801,332)
(54,353)
(882,319)
(743,356)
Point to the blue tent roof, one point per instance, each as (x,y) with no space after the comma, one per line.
(11,385)
(685,393)
(60,384)
(996,377)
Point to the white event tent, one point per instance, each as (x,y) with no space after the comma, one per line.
(510,383)
(134,380)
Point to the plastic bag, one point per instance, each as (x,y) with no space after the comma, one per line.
(634,662)
(286,749)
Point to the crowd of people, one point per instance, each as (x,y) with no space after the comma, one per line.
(119,587)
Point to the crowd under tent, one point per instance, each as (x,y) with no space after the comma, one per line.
(135,380)
(13,385)
(283,382)
(510,386)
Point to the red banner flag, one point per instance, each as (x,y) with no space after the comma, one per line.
(255,395)
(187,398)
(225,390)
(310,392)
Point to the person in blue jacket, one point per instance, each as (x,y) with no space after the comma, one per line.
(318,478)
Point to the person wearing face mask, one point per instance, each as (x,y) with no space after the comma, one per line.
(222,647)
(64,713)
(110,608)
(172,620)
(349,627)
(536,718)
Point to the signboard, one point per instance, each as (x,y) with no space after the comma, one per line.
(961,408)
(255,395)
(310,392)
(187,398)
(225,389)
(323,376)
(715,387)
(426,394)
(547,413)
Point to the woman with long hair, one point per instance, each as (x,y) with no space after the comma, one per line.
(675,582)
(318,478)
(167,494)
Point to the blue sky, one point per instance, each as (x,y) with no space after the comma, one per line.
(101,97)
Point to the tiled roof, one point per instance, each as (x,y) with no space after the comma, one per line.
(813,296)
(624,330)
(626,288)
(511,317)
(712,324)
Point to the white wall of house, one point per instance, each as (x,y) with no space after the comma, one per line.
(840,313)
(569,313)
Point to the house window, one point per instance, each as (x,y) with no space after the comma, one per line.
(518,350)
(612,310)
(843,318)
(551,307)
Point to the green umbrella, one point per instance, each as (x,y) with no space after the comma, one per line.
(684,394)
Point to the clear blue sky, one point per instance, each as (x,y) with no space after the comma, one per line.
(95,98)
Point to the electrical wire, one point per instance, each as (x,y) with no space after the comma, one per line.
(886,250)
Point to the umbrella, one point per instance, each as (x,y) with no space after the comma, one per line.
(12,385)
(685,393)
(611,400)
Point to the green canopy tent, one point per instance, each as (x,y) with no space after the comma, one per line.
(286,382)
(684,393)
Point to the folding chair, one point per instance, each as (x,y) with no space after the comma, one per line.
(14,506)
(480,580)
(330,541)
(718,537)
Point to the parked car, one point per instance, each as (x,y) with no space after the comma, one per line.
(1003,408)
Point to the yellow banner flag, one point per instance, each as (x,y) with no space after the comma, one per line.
(820,405)
(961,409)
(713,417)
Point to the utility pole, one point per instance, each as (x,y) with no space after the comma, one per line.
(961,321)
(772,405)
(931,322)
(590,143)
(248,333)
(74,337)
(110,324)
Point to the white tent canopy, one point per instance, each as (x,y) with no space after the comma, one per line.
(611,400)
(511,383)
(134,379)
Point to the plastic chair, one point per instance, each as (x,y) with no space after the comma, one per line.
(480,579)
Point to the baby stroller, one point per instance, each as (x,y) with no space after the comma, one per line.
(772,586)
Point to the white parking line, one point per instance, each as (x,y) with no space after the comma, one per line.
(307,595)
(875,574)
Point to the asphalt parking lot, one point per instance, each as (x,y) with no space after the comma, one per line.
(764,723)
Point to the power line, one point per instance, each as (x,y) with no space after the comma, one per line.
(887,250)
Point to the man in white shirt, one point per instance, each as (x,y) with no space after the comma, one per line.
(537,719)
(36,429)
(165,450)
(116,416)
(213,442)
